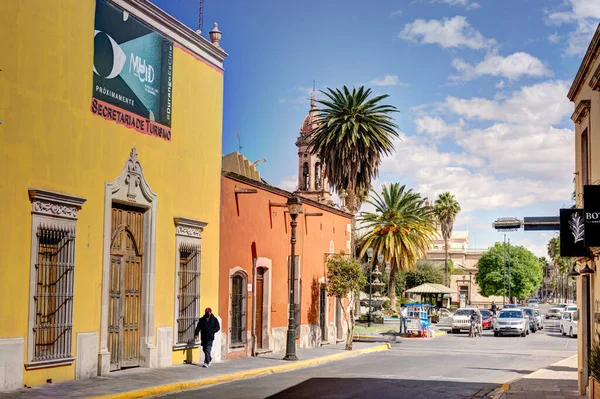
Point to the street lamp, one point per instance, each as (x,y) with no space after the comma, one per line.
(294,206)
(470,286)
(370,258)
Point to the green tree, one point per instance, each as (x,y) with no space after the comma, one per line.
(345,278)
(560,265)
(354,132)
(401,228)
(446,208)
(427,271)
(525,272)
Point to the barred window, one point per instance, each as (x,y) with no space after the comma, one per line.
(189,292)
(238,311)
(53,297)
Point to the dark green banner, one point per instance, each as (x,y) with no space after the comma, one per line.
(133,71)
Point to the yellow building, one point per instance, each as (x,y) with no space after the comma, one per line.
(110,151)
(585,94)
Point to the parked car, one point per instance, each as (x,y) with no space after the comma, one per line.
(509,306)
(571,308)
(568,323)
(554,313)
(462,319)
(533,326)
(534,303)
(486,319)
(538,319)
(443,312)
(511,321)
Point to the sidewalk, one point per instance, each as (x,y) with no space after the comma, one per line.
(144,382)
(553,382)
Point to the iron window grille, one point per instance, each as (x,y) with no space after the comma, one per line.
(238,314)
(189,292)
(53,298)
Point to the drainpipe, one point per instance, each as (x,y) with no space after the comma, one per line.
(254,307)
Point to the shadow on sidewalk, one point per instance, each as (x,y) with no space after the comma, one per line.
(383,388)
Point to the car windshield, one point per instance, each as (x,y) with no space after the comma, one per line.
(485,313)
(464,312)
(528,311)
(509,306)
(562,305)
(512,314)
(533,301)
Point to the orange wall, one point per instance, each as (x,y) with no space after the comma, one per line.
(251,220)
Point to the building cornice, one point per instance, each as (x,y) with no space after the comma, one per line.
(581,110)
(283,193)
(588,60)
(162,22)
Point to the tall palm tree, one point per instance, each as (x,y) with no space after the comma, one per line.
(401,228)
(446,208)
(354,132)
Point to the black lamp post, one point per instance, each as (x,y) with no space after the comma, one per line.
(294,206)
(470,286)
(370,258)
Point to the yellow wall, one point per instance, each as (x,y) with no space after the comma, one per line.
(49,139)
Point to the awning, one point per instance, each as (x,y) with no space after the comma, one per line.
(430,288)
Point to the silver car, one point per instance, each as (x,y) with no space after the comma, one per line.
(511,321)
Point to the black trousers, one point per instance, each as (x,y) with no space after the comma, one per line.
(206,348)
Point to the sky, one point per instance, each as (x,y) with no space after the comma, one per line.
(481,88)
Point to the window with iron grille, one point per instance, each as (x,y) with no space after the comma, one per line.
(53,297)
(238,311)
(189,292)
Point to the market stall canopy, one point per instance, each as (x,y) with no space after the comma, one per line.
(430,288)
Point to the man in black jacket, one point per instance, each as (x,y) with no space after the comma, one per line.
(207,327)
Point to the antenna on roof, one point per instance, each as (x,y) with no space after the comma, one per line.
(240,142)
(200,11)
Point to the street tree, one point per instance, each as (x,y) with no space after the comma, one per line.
(354,132)
(427,271)
(446,208)
(525,277)
(401,228)
(345,278)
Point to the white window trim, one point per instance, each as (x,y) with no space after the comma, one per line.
(60,210)
(187,231)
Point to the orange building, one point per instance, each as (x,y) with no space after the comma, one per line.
(255,249)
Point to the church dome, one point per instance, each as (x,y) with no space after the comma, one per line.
(309,123)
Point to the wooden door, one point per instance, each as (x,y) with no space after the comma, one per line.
(125,300)
(322,313)
(259,306)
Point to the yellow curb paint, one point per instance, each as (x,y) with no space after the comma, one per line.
(203,382)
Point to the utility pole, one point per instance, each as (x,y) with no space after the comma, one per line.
(504,291)
(509,297)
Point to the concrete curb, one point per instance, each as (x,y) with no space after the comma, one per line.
(506,386)
(219,379)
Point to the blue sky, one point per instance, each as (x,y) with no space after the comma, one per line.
(481,88)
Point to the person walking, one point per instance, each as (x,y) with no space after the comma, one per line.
(207,327)
(494,308)
(403,316)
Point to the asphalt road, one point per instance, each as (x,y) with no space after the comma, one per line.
(448,366)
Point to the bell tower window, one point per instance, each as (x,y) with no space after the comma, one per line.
(305,177)
(318,176)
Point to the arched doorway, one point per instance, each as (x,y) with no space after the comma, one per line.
(125,288)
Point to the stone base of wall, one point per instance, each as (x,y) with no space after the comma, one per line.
(164,343)
(278,339)
(86,366)
(11,363)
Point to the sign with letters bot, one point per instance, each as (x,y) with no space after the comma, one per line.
(133,72)
(591,212)
(572,233)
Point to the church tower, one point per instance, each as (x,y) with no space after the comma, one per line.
(311,181)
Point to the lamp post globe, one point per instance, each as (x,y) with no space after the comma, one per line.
(294,206)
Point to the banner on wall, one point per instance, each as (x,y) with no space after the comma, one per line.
(591,211)
(572,232)
(133,72)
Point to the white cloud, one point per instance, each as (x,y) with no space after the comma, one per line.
(288,183)
(396,13)
(436,127)
(500,84)
(554,38)
(584,14)
(388,80)
(511,67)
(467,4)
(453,32)
(543,103)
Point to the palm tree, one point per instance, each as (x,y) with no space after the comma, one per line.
(446,208)
(401,228)
(353,134)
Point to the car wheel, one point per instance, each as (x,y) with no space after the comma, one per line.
(561,331)
(496,333)
(523,334)
(571,332)
(455,331)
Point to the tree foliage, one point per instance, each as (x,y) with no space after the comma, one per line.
(401,228)
(345,278)
(526,271)
(446,208)
(427,271)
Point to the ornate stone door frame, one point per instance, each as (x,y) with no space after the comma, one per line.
(131,188)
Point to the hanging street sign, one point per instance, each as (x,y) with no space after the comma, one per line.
(591,212)
(572,233)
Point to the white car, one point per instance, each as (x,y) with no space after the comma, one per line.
(462,319)
(568,323)
(511,321)
(533,303)
(554,313)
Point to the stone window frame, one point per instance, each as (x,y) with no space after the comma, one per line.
(238,347)
(187,232)
(59,210)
